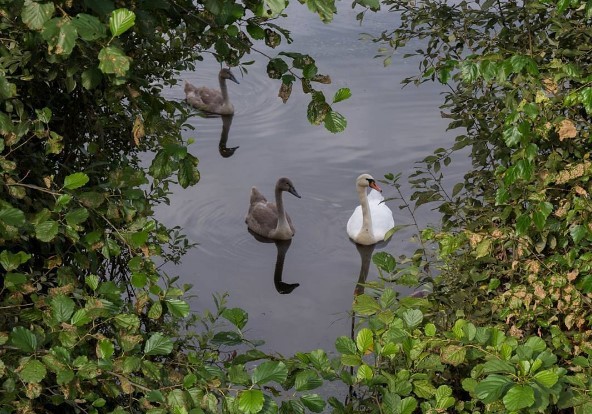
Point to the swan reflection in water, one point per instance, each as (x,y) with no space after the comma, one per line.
(365,252)
(225,151)
(282,247)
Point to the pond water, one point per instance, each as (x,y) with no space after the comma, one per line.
(389,130)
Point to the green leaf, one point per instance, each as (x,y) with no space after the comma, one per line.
(80,318)
(178,307)
(13,280)
(89,27)
(113,60)
(64,376)
(158,344)
(64,42)
(129,323)
(512,135)
(276,68)
(12,216)
(430,329)
(585,96)
(412,317)
(32,371)
(7,91)
(345,345)
(384,261)
(365,305)
(250,401)
(120,21)
(364,373)
(341,95)
(270,371)
(92,281)
(578,232)
(518,397)
(546,378)
(77,216)
(46,231)
(469,70)
(307,380)
(522,224)
(423,389)
(536,344)
(62,308)
(453,355)
(498,366)
(105,349)
(408,405)
(236,316)
(272,8)
(492,388)
(91,78)
(313,402)
(35,15)
(76,180)
(23,339)
(364,340)
(335,122)
(562,5)
(11,261)
(351,360)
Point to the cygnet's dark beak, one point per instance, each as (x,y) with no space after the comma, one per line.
(232,78)
(293,191)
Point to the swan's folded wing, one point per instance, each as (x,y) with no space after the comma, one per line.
(262,218)
(210,96)
(354,224)
(257,197)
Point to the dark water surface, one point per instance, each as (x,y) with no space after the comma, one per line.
(389,129)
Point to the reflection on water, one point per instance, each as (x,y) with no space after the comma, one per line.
(365,252)
(282,248)
(222,148)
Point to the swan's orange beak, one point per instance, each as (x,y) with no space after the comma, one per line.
(375,186)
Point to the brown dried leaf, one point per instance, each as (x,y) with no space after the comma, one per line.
(550,86)
(126,386)
(566,129)
(326,79)
(138,130)
(571,276)
(285,91)
(47,181)
(572,172)
(580,191)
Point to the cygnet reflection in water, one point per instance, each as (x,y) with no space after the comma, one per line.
(282,248)
(225,151)
(211,100)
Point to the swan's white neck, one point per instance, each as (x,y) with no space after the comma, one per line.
(282,230)
(366,230)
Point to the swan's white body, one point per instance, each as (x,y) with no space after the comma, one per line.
(269,219)
(372,219)
(211,100)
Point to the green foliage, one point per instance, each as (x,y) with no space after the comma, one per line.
(88,149)
(508,267)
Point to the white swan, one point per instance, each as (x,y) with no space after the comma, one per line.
(211,100)
(372,218)
(269,219)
